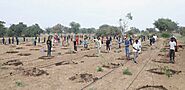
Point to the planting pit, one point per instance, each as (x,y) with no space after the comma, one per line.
(83,78)
(65,48)
(117,51)
(91,55)
(149,87)
(12,52)
(71,52)
(47,50)
(144,48)
(161,71)
(19,48)
(24,54)
(46,57)
(85,49)
(34,72)
(28,45)
(65,63)
(121,58)
(34,49)
(111,65)
(161,61)
(12,46)
(15,62)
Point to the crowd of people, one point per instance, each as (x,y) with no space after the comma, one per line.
(125,41)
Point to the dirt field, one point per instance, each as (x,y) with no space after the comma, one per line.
(24,67)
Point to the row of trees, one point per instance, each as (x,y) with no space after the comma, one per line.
(21,29)
(74,28)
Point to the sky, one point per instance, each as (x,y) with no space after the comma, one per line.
(91,13)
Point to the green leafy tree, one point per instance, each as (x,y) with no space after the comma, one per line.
(2,28)
(165,25)
(106,30)
(75,27)
(17,29)
(33,30)
(133,30)
(151,30)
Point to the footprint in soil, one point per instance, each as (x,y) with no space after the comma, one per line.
(15,62)
(83,78)
(149,87)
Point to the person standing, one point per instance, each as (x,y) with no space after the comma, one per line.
(49,45)
(44,39)
(98,45)
(127,44)
(35,41)
(74,42)
(85,43)
(3,40)
(9,40)
(17,40)
(135,50)
(172,45)
(108,44)
(24,39)
(39,40)
(12,40)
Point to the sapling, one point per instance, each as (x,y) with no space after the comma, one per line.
(99,69)
(19,84)
(127,72)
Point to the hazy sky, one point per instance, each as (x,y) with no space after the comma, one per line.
(90,13)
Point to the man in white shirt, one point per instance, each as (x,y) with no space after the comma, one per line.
(172,44)
(135,50)
(98,45)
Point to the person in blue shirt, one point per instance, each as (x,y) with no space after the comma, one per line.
(127,44)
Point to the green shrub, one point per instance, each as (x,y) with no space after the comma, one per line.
(99,69)
(127,72)
(165,35)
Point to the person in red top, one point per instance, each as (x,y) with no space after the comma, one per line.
(77,39)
